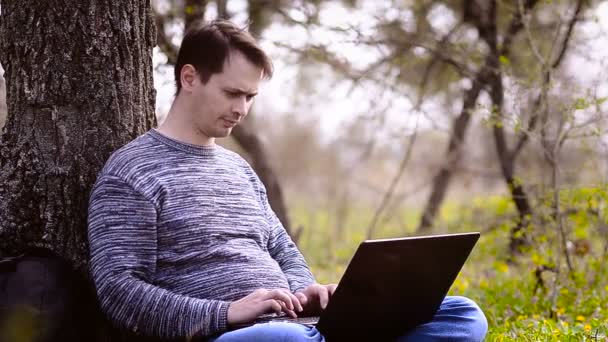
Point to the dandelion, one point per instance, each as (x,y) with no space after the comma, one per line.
(580,318)
(502,267)
(587,328)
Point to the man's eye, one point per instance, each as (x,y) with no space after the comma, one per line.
(250,97)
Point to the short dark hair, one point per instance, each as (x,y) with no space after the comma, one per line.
(207,46)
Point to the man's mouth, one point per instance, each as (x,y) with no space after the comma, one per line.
(230,123)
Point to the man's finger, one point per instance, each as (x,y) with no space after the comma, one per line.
(331,288)
(285,310)
(282,296)
(323,296)
(296,302)
(302,297)
(273,305)
(291,313)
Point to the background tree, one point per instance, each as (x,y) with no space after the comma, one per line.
(435,56)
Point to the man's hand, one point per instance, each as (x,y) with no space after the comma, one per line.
(315,297)
(263,301)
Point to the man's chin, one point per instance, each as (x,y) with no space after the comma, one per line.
(224,133)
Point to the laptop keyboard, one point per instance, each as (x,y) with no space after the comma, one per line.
(284,318)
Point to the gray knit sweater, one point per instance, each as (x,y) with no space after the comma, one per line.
(177,231)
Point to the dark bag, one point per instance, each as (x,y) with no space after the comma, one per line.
(42,298)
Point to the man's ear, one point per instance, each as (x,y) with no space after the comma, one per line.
(188,77)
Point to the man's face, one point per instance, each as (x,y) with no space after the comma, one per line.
(222,102)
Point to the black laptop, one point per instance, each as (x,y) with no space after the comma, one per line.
(391,286)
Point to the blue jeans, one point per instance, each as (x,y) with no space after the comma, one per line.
(458,319)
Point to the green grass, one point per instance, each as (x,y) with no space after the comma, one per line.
(568,306)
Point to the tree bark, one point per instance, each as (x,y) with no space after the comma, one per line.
(79,86)
(2,103)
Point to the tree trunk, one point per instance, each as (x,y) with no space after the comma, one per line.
(79,86)
(453,154)
(505,157)
(222,9)
(507,166)
(247,138)
(2,103)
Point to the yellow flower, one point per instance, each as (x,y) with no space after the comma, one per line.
(502,267)
(587,328)
(580,318)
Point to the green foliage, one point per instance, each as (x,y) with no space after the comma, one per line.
(581,103)
(535,298)
(504,60)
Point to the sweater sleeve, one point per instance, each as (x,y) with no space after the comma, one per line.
(123,246)
(285,252)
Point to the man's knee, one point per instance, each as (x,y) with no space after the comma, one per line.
(290,332)
(473,316)
(273,332)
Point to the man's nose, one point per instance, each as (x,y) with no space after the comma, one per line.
(240,106)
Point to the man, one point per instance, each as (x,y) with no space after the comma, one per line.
(183,240)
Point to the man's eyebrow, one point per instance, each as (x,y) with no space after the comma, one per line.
(241,91)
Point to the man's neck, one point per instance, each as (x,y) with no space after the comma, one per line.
(177,125)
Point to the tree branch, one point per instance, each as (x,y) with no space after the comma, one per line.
(566,41)
(523,136)
(431,64)
(515,26)
(393,185)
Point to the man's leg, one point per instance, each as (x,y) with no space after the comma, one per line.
(458,319)
(272,332)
